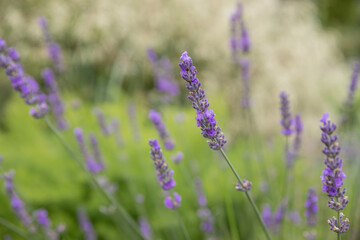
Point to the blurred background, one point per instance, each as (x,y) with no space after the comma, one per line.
(306,48)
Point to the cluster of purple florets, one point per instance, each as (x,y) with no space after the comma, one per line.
(94,162)
(164,78)
(239,39)
(53,49)
(26,85)
(160,126)
(164,174)
(286,119)
(54,98)
(205,117)
(333,175)
(204,213)
(16,203)
(311,207)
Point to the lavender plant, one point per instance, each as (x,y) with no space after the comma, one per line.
(332,177)
(17,204)
(26,85)
(204,213)
(349,113)
(44,222)
(94,162)
(160,126)
(86,225)
(311,207)
(53,49)
(206,121)
(54,98)
(165,175)
(164,78)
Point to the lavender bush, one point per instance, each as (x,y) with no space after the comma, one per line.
(111,169)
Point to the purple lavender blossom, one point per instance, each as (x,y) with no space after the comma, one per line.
(96,151)
(164,174)
(299,127)
(205,118)
(160,126)
(294,151)
(267,216)
(86,225)
(44,221)
(164,78)
(92,163)
(295,217)
(311,207)
(177,157)
(101,120)
(26,85)
(53,49)
(332,177)
(353,85)
(145,228)
(204,213)
(286,120)
(239,35)
(173,202)
(16,203)
(42,217)
(54,98)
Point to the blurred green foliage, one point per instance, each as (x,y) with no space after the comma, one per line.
(343,16)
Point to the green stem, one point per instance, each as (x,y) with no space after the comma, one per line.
(108,196)
(338,234)
(13,228)
(248,195)
(183,228)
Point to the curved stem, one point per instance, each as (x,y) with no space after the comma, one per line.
(338,234)
(13,228)
(248,195)
(108,196)
(187,236)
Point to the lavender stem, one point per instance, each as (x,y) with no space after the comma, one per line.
(13,228)
(249,197)
(183,228)
(338,225)
(109,197)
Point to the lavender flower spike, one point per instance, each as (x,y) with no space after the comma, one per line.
(43,220)
(204,213)
(93,164)
(54,98)
(205,118)
(353,84)
(286,120)
(332,177)
(102,122)
(145,228)
(16,203)
(164,174)
(311,207)
(54,50)
(239,39)
(26,85)
(86,225)
(160,126)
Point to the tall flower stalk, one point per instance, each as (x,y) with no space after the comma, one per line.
(332,177)
(206,121)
